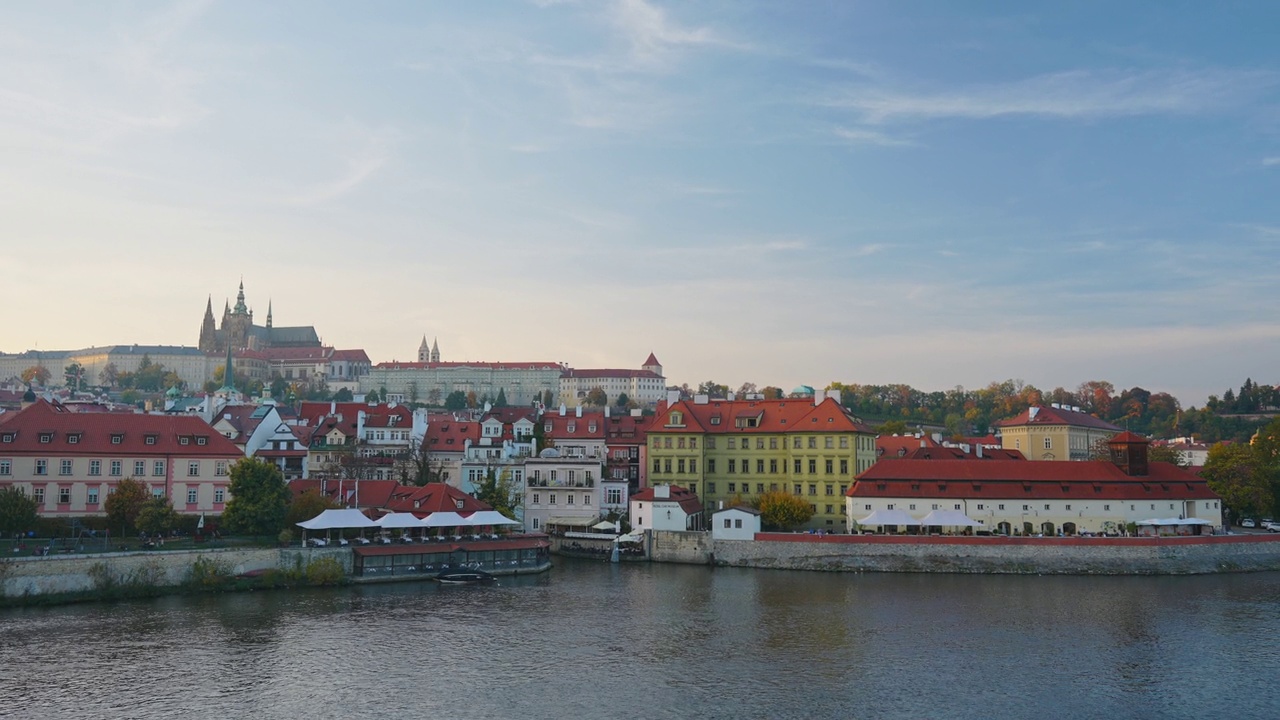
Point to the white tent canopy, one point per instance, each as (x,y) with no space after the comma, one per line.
(949,518)
(399,520)
(888,517)
(490,517)
(332,519)
(604,525)
(445,519)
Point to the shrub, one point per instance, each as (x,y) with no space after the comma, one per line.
(325,571)
(209,573)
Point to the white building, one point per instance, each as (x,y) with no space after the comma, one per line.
(736,523)
(666,507)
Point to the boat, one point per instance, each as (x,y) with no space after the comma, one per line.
(465,577)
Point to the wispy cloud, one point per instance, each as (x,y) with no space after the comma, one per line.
(653,37)
(1270,161)
(864,136)
(1077,94)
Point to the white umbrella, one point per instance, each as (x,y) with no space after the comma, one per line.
(490,517)
(445,519)
(399,520)
(604,525)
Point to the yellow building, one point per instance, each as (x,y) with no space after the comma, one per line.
(1054,433)
(727,451)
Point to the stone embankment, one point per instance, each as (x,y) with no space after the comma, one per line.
(1007,555)
(72,574)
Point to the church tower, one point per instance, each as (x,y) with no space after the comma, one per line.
(424,352)
(208,332)
(435,349)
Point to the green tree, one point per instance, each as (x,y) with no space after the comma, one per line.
(457,400)
(157,516)
(1168,454)
(306,505)
(413,391)
(596,397)
(1235,473)
(502,398)
(547,397)
(782,510)
(37,374)
(372,396)
(772,392)
(259,498)
(622,401)
(123,505)
(279,386)
(892,427)
(714,389)
(73,375)
(17,511)
(500,493)
(343,395)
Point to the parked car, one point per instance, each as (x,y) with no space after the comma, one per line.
(1272,527)
(1248,522)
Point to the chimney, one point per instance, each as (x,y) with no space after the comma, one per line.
(732,396)
(333,406)
(606,411)
(818,397)
(834,395)
(673,397)
(577,412)
(563,409)
(360,424)
(661,492)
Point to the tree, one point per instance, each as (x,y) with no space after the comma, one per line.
(747,388)
(413,391)
(1235,473)
(771,392)
(123,505)
(892,427)
(472,400)
(1168,454)
(17,511)
(372,396)
(783,511)
(37,374)
(457,400)
(547,397)
(157,516)
(596,397)
(500,493)
(418,468)
(622,400)
(502,398)
(110,375)
(433,396)
(279,386)
(343,395)
(259,498)
(73,375)
(714,389)
(306,505)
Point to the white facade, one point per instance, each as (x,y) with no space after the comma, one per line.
(1035,516)
(557,487)
(735,523)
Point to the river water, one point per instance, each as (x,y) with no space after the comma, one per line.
(593,640)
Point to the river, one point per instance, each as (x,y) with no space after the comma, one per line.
(593,640)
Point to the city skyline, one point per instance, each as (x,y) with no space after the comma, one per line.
(754,192)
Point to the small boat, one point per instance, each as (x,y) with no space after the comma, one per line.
(465,577)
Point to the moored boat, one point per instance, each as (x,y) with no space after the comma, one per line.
(465,577)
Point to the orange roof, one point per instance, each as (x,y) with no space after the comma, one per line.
(1056,416)
(771,416)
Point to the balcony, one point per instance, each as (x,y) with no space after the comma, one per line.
(545,483)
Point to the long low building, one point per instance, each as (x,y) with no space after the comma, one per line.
(1038,498)
(69,462)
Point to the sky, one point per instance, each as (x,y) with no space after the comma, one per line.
(935,194)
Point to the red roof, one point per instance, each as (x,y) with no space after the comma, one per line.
(373,493)
(1056,416)
(652,360)
(775,416)
(1128,437)
(560,426)
(954,453)
(433,497)
(626,430)
(610,373)
(1099,479)
(684,497)
(449,435)
(351,355)
(108,434)
(395,365)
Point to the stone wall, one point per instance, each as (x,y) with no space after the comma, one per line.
(1068,556)
(676,546)
(80,573)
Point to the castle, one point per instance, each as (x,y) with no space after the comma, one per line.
(238,332)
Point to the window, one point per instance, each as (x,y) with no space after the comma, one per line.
(733,487)
(157,492)
(795,443)
(796,466)
(868,507)
(202,440)
(46,437)
(1046,506)
(6,467)
(184,441)
(829,510)
(586,499)
(773,443)
(693,443)
(733,443)
(728,523)
(844,467)
(551,498)
(733,466)
(693,465)
(711,465)
(42,468)
(1104,507)
(813,489)
(711,487)
(193,469)
(813,466)
(830,467)
(666,443)
(91,497)
(1048,443)
(831,490)
(813,442)
(139,467)
(844,489)
(657,468)
(117,438)
(844,442)
(773,465)
(64,495)
(37,494)
(219,495)
(1025,508)
(1001,506)
(1068,507)
(759,467)
(537,499)
(536,523)
(760,488)
(680,465)
(935,506)
(913,506)
(151,440)
(957,506)
(569,501)
(614,496)
(829,442)
(191,496)
(666,465)
(979,506)
(64,468)
(73,438)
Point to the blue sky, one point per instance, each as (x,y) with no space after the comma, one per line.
(937,194)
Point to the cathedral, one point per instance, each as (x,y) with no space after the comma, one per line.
(238,332)
(429,354)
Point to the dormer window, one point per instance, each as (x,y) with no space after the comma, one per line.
(676,418)
(202,440)
(150,440)
(117,438)
(184,441)
(8,437)
(73,438)
(46,437)
(458,504)
(573,427)
(591,427)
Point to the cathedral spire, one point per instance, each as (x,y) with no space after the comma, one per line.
(228,375)
(208,333)
(435,349)
(268,313)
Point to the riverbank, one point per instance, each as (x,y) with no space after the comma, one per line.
(1002,555)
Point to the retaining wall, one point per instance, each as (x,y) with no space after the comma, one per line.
(675,546)
(1068,556)
(80,573)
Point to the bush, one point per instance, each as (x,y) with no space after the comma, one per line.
(209,573)
(325,571)
(285,537)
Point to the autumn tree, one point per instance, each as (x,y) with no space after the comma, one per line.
(472,400)
(259,498)
(713,389)
(124,503)
(596,397)
(772,392)
(306,505)
(1235,473)
(109,375)
(747,388)
(36,374)
(783,511)
(500,492)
